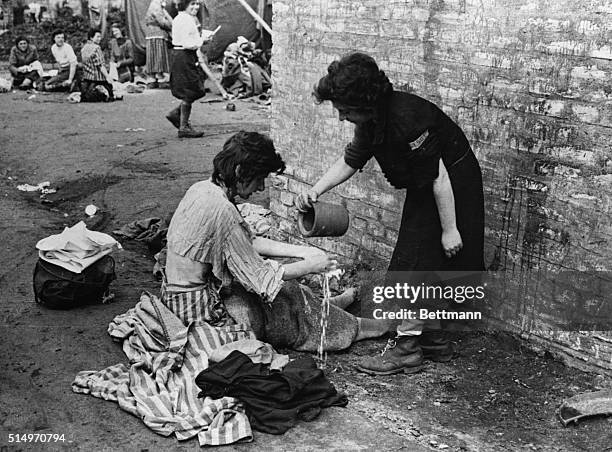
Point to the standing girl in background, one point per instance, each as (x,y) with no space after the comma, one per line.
(186,76)
(158,24)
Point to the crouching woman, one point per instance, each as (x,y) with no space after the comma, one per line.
(96,85)
(210,247)
(24,65)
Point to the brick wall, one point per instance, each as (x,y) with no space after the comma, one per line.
(530,82)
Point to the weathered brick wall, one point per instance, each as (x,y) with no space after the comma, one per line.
(529,82)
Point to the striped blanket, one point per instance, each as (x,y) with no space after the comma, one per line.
(159,384)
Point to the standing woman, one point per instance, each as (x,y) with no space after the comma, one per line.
(418,148)
(186,76)
(158,24)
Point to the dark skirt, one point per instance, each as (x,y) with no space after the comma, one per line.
(419,246)
(186,76)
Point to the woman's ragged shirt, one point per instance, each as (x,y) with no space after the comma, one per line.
(207,237)
(407,139)
(185,33)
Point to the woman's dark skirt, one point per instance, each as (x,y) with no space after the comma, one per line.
(419,246)
(186,76)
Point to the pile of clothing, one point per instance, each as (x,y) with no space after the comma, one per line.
(244,72)
(216,383)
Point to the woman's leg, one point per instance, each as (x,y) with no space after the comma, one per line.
(55,83)
(371,328)
(185,130)
(174,116)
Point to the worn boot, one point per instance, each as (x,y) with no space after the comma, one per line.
(175,117)
(436,346)
(401,354)
(185,130)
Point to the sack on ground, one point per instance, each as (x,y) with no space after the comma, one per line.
(58,288)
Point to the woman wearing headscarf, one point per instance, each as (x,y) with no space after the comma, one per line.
(24,65)
(158,26)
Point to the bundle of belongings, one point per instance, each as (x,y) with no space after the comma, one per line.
(74,268)
(214,382)
(5,85)
(244,69)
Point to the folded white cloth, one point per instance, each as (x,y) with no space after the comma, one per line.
(35,66)
(76,248)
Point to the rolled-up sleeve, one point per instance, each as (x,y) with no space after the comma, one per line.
(258,275)
(425,161)
(359,151)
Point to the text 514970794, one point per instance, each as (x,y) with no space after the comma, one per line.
(36,437)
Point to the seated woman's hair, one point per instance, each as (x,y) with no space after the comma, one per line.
(181,5)
(92,32)
(254,153)
(354,81)
(21,38)
(57,31)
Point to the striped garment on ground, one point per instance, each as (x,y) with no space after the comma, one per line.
(159,386)
(204,303)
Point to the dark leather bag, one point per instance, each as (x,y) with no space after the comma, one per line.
(58,288)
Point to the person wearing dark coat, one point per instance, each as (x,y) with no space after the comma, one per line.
(420,149)
(24,65)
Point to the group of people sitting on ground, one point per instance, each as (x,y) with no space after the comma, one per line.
(91,77)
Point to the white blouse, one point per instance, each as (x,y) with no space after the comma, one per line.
(185,31)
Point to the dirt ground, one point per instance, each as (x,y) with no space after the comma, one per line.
(496,396)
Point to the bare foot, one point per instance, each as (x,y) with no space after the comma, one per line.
(345,299)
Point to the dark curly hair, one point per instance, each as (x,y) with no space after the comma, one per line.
(92,32)
(57,31)
(254,152)
(181,5)
(21,38)
(355,81)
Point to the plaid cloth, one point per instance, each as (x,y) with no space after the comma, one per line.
(93,60)
(159,386)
